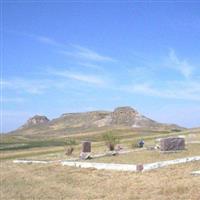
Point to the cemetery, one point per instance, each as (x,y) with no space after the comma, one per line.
(123,160)
(169,151)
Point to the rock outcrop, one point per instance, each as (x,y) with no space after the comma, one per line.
(121,117)
(124,116)
(36,120)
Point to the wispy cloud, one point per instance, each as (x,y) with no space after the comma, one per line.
(143,77)
(76,51)
(48,40)
(24,85)
(87,78)
(151,81)
(42,39)
(87,54)
(91,65)
(180,65)
(57,80)
(68,49)
(185,90)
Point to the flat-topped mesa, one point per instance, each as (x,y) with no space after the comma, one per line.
(36,120)
(98,112)
(70,123)
(125,109)
(124,115)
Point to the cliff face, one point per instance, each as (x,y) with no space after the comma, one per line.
(124,116)
(36,120)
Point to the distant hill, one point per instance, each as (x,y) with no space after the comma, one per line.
(72,123)
(35,120)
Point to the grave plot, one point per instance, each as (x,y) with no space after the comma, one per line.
(171,151)
(130,167)
(148,156)
(141,164)
(141,159)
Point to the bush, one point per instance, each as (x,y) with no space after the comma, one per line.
(70,142)
(69,146)
(111,140)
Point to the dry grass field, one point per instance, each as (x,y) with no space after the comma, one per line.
(53,181)
(149,156)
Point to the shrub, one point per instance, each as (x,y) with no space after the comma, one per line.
(111,140)
(69,146)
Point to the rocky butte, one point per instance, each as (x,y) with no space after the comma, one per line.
(70,123)
(35,120)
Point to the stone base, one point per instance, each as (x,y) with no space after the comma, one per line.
(85,156)
(196,173)
(112,153)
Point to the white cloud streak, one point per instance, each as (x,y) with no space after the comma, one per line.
(147,82)
(189,90)
(87,78)
(182,66)
(23,85)
(61,80)
(49,41)
(76,51)
(83,53)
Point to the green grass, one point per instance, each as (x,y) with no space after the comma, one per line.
(16,142)
(30,144)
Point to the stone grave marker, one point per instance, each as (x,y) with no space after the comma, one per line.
(172,144)
(86,150)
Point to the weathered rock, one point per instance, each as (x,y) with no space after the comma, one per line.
(95,120)
(36,120)
(172,144)
(123,115)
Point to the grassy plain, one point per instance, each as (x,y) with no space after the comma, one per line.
(53,181)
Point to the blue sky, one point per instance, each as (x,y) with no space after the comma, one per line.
(71,57)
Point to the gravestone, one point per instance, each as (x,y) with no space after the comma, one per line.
(139,167)
(86,150)
(172,144)
(86,146)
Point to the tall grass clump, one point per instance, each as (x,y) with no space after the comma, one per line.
(69,146)
(111,140)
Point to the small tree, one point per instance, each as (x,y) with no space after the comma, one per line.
(111,140)
(69,146)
